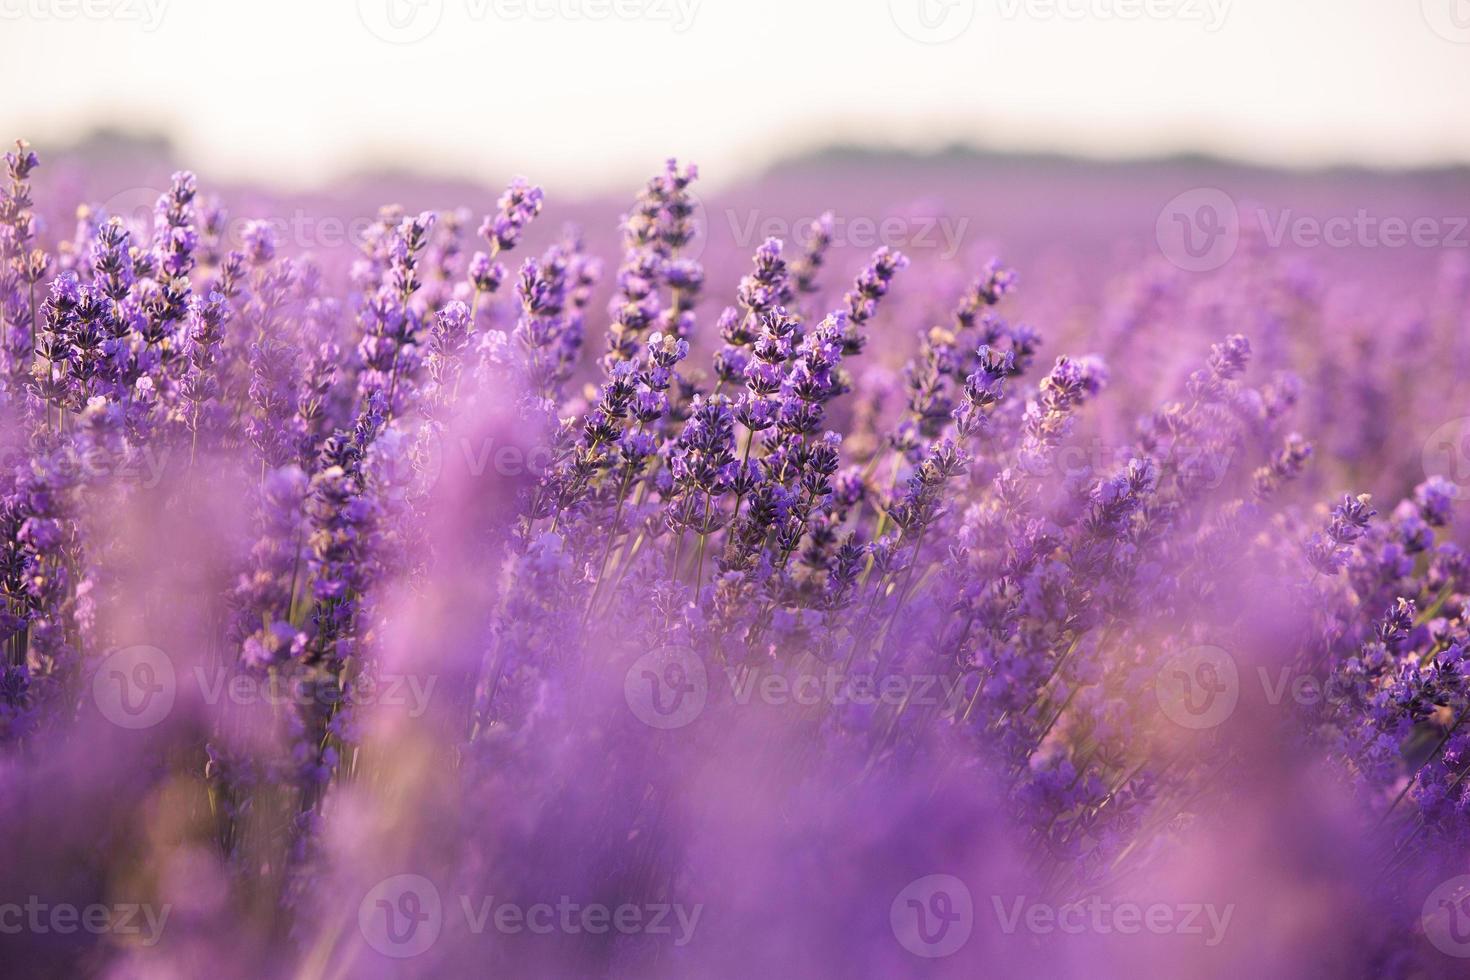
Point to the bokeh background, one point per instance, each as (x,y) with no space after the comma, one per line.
(585,94)
(1160,173)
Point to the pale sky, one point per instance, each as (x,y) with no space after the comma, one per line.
(593,93)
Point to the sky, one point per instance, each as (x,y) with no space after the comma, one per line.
(591,93)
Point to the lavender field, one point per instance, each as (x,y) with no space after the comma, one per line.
(883,567)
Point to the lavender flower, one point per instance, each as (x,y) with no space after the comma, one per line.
(718,610)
